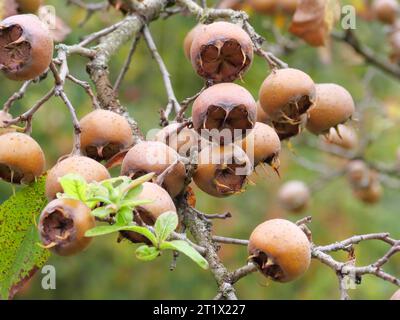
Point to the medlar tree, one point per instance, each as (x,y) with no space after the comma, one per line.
(152,202)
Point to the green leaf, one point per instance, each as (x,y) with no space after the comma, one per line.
(146,253)
(20,256)
(133,193)
(103,230)
(187,249)
(165,225)
(134,203)
(124,216)
(74,186)
(102,212)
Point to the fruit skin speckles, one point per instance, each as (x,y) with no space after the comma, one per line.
(63,224)
(280,249)
(26,47)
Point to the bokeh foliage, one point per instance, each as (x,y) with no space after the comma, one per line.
(110,270)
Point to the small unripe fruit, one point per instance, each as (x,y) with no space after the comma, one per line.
(344,137)
(87,168)
(28,6)
(222,170)
(371,194)
(358,173)
(187,42)
(103,134)
(148,213)
(221,51)
(182,140)
(226,108)
(294,196)
(286,94)
(280,249)
(385,10)
(396,295)
(334,105)
(26,47)
(152,156)
(5,116)
(63,224)
(21,158)
(262,145)
(7,8)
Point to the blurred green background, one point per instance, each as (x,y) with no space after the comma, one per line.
(108,270)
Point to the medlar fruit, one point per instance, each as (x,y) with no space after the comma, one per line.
(152,156)
(87,168)
(26,47)
(222,170)
(28,6)
(262,145)
(342,136)
(264,6)
(396,295)
(286,94)
(148,213)
(294,196)
(103,134)
(221,51)
(286,130)
(225,112)
(385,10)
(280,249)
(181,139)
(187,42)
(358,173)
(334,105)
(63,224)
(370,194)
(21,158)
(262,116)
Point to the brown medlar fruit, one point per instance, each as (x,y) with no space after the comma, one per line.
(342,136)
(148,213)
(222,170)
(181,139)
(370,194)
(225,112)
(87,168)
(286,130)
(280,249)
(152,156)
(294,196)
(28,6)
(334,105)
(63,224)
(26,47)
(264,6)
(103,134)
(21,158)
(358,173)
(385,10)
(262,145)
(221,51)
(187,42)
(286,94)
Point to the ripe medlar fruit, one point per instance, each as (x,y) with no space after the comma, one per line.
(280,249)
(181,139)
(294,196)
(370,194)
(152,156)
(222,170)
(187,42)
(7,8)
(221,51)
(385,10)
(26,47)
(63,224)
(225,112)
(87,168)
(342,136)
(148,213)
(286,95)
(103,134)
(286,130)
(21,158)
(396,295)
(28,6)
(358,174)
(4,117)
(334,105)
(262,145)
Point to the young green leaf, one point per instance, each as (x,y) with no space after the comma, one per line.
(74,186)
(165,225)
(146,253)
(187,249)
(124,216)
(102,212)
